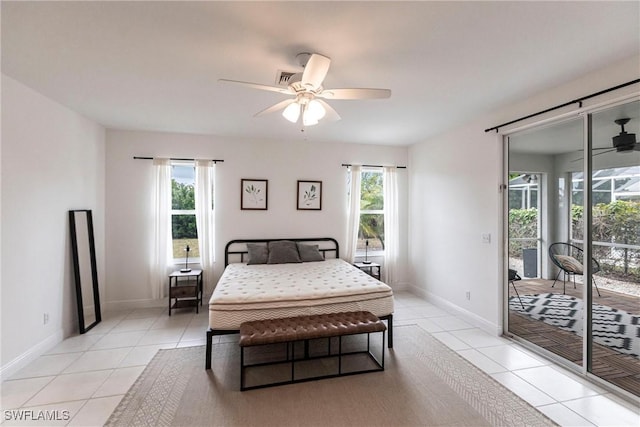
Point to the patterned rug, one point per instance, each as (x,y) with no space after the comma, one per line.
(612,328)
(424,383)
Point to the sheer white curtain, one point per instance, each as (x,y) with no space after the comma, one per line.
(205,219)
(353,212)
(391,225)
(161,254)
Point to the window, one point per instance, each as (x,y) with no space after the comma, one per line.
(183,211)
(610,188)
(371,211)
(608,185)
(523,191)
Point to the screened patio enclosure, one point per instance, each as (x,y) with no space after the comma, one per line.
(589,210)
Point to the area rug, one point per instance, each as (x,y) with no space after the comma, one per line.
(612,328)
(424,384)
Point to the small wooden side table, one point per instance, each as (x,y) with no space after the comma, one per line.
(186,289)
(372,268)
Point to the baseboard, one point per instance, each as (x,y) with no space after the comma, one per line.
(466,315)
(419,292)
(109,306)
(7,370)
(401,286)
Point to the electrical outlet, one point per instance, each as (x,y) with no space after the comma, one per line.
(46,318)
(468,294)
(486,237)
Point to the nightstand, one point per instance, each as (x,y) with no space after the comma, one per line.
(372,268)
(186,289)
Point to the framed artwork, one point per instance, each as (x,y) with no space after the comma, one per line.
(310,195)
(254,194)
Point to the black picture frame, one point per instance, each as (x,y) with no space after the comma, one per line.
(254,194)
(309,195)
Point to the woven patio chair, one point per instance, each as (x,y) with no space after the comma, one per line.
(568,258)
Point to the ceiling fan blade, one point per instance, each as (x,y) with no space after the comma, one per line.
(364,93)
(596,154)
(603,152)
(315,71)
(332,115)
(594,149)
(258,86)
(276,107)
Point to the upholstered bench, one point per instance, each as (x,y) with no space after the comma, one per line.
(292,330)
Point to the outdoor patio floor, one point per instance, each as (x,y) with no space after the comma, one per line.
(623,370)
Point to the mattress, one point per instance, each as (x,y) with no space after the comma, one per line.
(270,291)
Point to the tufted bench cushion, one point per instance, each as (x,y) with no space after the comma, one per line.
(289,329)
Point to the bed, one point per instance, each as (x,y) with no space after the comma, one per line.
(250,291)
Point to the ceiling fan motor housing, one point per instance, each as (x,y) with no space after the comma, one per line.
(624,141)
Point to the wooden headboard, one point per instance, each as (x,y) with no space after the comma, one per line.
(238,248)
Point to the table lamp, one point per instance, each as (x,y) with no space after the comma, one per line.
(366,252)
(186,268)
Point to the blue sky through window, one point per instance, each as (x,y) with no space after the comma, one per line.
(184,174)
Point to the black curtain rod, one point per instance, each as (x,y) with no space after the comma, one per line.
(177,159)
(575,101)
(374,166)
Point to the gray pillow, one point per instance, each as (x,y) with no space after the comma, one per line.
(258,253)
(283,252)
(309,253)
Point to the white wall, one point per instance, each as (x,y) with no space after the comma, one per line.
(129,183)
(52,161)
(454,198)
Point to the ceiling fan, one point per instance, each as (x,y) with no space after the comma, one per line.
(308,93)
(622,143)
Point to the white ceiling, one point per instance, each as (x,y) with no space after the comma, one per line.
(155,65)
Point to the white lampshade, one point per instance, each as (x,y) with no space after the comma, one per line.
(292,112)
(308,119)
(315,110)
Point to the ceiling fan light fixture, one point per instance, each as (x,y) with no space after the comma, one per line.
(312,111)
(308,119)
(315,110)
(292,112)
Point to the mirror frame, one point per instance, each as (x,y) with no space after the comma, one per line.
(76,268)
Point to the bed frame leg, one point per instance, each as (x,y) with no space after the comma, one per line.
(390,331)
(207,364)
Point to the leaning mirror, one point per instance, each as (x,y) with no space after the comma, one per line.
(85,271)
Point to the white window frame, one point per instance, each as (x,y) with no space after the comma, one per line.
(371,252)
(181,212)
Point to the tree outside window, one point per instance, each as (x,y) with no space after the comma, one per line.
(183,211)
(371,211)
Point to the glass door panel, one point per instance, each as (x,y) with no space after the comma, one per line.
(543,305)
(615,245)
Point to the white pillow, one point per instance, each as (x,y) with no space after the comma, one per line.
(569,263)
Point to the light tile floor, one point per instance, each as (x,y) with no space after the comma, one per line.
(88,375)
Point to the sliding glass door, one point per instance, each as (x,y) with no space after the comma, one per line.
(578,220)
(541,308)
(615,246)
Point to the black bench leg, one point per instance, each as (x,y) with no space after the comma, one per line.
(241,368)
(207,364)
(390,331)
